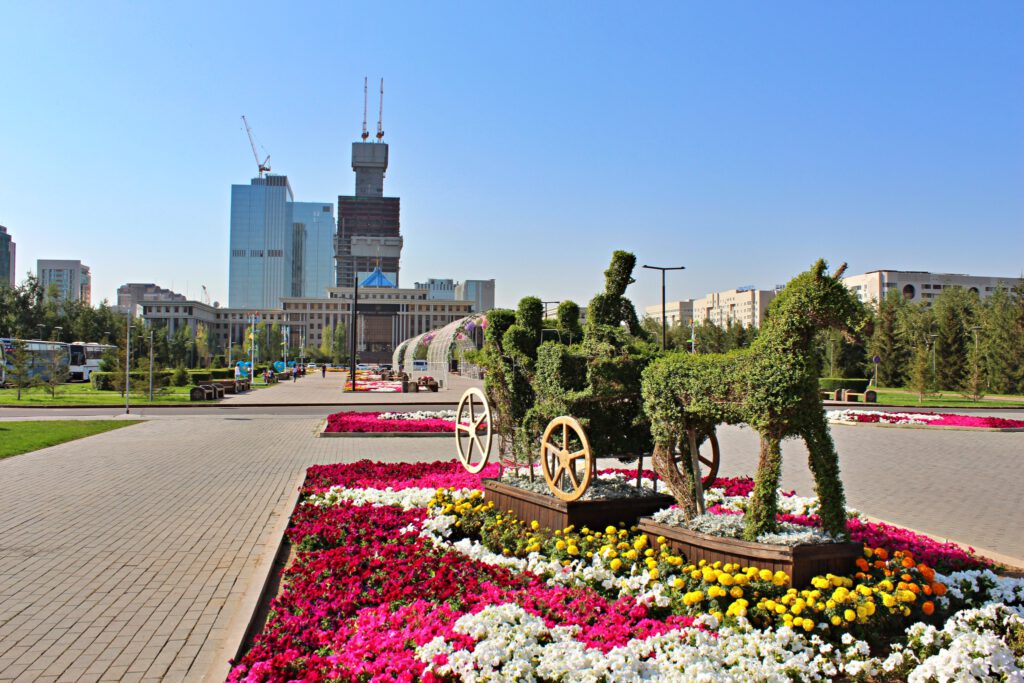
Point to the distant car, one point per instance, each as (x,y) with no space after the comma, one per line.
(419,365)
(362,366)
(384,366)
(311,366)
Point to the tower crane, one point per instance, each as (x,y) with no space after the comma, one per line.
(380,117)
(365,134)
(264,166)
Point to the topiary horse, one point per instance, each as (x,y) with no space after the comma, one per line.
(771,386)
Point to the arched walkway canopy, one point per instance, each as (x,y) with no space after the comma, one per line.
(455,336)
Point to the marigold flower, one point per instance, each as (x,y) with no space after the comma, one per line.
(928,608)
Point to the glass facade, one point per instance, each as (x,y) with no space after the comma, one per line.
(7,265)
(259,270)
(313,267)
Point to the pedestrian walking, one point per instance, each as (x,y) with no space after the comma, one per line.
(295,374)
(323,371)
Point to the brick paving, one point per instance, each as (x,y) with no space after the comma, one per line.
(139,554)
(327,391)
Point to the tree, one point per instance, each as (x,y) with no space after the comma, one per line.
(202,345)
(886,342)
(275,342)
(338,350)
(178,346)
(710,338)
(921,379)
(974,381)
(19,369)
(55,371)
(953,311)
(327,342)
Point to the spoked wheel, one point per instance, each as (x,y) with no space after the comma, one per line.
(473,421)
(566,458)
(709,458)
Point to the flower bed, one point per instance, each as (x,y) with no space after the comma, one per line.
(376,386)
(404,573)
(922,419)
(377,422)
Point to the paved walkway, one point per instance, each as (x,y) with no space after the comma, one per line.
(139,554)
(313,388)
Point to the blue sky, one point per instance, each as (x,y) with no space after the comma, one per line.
(528,141)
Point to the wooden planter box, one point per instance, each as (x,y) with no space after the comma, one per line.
(554,513)
(801,562)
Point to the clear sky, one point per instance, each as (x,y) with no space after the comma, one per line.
(741,140)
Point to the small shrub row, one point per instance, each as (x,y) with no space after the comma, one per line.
(858,385)
(104,381)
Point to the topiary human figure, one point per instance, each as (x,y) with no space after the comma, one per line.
(611,307)
(771,386)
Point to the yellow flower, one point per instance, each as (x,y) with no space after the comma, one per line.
(534,525)
(849,615)
(836,621)
(678,583)
(654,573)
(610,531)
(765,575)
(573,550)
(725,579)
(615,564)
(560,545)
(808,625)
(736,592)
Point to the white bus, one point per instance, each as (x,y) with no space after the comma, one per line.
(40,355)
(85,359)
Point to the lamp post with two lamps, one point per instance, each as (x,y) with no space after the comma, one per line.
(664,319)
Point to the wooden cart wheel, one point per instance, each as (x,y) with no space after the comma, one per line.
(708,462)
(473,420)
(560,464)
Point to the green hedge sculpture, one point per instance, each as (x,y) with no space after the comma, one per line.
(771,386)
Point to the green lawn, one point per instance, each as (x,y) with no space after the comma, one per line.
(947,399)
(22,437)
(84,394)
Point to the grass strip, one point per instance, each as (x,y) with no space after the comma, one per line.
(31,435)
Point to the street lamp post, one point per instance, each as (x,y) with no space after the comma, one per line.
(127,362)
(664,318)
(151,366)
(352,334)
(41,327)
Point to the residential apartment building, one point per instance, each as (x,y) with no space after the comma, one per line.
(72,279)
(676,312)
(921,286)
(8,266)
(130,295)
(746,305)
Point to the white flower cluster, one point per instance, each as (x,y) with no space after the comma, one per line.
(850,416)
(972,646)
(731,526)
(407,499)
(448,415)
(515,645)
(977,587)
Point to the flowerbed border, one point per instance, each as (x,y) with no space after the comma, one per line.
(322,432)
(917,426)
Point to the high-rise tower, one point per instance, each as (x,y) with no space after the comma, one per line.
(7,253)
(369,233)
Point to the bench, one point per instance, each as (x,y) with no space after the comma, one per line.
(868,396)
(201,393)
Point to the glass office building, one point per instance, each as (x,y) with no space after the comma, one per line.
(259,272)
(313,229)
(7,262)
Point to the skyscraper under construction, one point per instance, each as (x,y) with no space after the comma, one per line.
(369,233)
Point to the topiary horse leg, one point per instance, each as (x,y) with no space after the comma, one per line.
(824,463)
(681,485)
(764,503)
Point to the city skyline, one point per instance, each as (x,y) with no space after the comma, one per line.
(742,144)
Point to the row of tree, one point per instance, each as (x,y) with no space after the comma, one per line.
(959,342)
(30,312)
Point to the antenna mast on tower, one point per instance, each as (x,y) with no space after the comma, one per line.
(365,134)
(380,117)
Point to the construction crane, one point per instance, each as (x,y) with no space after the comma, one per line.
(365,134)
(206,294)
(380,117)
(264,166)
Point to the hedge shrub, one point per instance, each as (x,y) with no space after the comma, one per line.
(858,385)
(104,381)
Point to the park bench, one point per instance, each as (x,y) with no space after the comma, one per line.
(203,392)
(868,396)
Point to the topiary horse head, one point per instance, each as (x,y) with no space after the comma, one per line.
(771,386)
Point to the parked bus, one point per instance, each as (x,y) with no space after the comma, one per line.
(86,358)
(40,357)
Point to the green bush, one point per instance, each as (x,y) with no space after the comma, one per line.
(179,377)
(222,373)
(199,376)
(104,381)
(858,385)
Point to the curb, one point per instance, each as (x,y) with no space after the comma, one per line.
(986,553)
(231,405)
(915,406)
(913,426)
